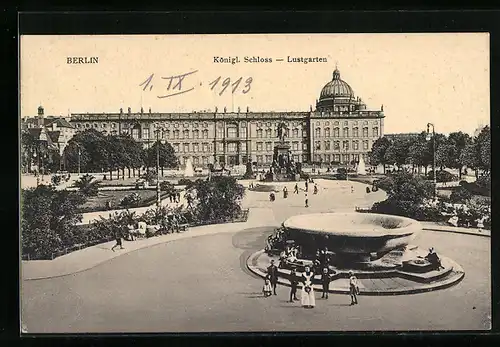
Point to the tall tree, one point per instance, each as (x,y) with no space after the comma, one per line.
(459,140)
(379,149)
(397,153)
(418,153)
(168,159)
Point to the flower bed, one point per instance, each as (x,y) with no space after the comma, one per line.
(111,199)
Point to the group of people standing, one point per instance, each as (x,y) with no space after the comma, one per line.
(307,299)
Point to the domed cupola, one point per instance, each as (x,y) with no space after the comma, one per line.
(336,88)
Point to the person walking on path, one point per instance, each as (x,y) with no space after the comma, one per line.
(307,296)
(315,188)
(352,189)
(285,192)
(267,287)
(294,282)
(307,186)
(296,189)
(353,288)
(118,237)
(272,272)
(326,278)
(178,197)
(307,201)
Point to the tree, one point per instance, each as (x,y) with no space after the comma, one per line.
(93,155)
(445,154)
(28,145)
(217,199)
(379,149)
(483,142)
(397,152)
(419,154)
(135,154)
(459,140)
(48,218)
(168,158)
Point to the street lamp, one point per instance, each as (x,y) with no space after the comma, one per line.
(157,132)
(79,154)
(428,138)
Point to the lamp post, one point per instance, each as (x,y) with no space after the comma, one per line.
(79,154)
(428,138)
(158,199)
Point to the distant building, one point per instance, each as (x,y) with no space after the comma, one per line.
(50,131)
(340,129)
(392,137)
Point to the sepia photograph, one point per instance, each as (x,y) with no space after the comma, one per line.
(255,183)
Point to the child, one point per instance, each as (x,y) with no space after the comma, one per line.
(353,288)
(267,287)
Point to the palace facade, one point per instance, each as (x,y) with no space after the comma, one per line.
(339,130)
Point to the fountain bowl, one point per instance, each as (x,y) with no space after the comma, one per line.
(351,233)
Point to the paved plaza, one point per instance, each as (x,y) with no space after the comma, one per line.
(198,281)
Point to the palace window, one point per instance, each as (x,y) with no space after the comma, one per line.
(196,134)
(355,132)
(317,145)
(196,147)
(232,132)
(336,145)
(336,132)
(345,132)
(327,145)
(305,158)
(176,147)
(220,133)
(243,132)
(317,132)
(365,132)
(145,133)
(186,147)
(365,144)
(259,133)
(317,158)
(176,134)
(185,134)
(165,134)
(336,158)
(205,124)
(345,145)
(304,146)
(103,125)
(135,133)
(365,122)
(295,158)
(318,123)
(304,132)
(269,158)
(205,147)
(205,160)
(231,147)
(205,134)
(220,145)
(375,132)
(259,146)
(327,158)
(113,125)
(295,132)
(295,146)
(269,146)
(327,132)
(268,124)
(243,146)
(186,125)
(196,160)
(195,125)
(259,159)
(327,123)
(268,133)
(355,145)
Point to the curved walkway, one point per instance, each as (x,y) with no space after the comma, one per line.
(262,213)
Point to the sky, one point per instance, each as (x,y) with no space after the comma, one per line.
(419,78)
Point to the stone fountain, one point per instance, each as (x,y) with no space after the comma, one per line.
(189,171)
(361,170)
(375,247)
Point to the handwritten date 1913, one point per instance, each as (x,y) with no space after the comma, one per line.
(175,84)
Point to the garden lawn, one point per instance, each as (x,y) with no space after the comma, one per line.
(99,202)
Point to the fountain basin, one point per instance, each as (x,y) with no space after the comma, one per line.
(358,235)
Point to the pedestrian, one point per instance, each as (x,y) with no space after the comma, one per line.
(272,197)
(353,288)
(118,237)
(266,290)
(307,201)
(315,188)
(171,197)
(272,272)
(307,296)
(285,192)
(294,282)
(307,186)
(352,189)
(325,281)
(178,197)
(296,189)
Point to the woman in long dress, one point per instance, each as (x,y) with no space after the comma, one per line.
(307,295)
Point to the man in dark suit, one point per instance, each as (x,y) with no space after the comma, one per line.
(272,271)
(325,281)
(294,282)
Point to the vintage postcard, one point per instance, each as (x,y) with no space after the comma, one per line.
(255,183)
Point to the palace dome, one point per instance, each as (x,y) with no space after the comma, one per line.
(336,88)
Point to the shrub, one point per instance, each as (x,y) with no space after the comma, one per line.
(460,196)
(168,187)
(442,176)
(87,185)
(385,183)
(149,176)
(484,181)
(56,180)
(131,200)
(185,182)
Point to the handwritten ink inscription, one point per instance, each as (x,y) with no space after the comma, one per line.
(175,86)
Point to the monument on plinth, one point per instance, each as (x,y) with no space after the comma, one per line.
(283,167)
(189,171)
(361,170)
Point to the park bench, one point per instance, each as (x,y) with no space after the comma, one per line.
(183,227)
